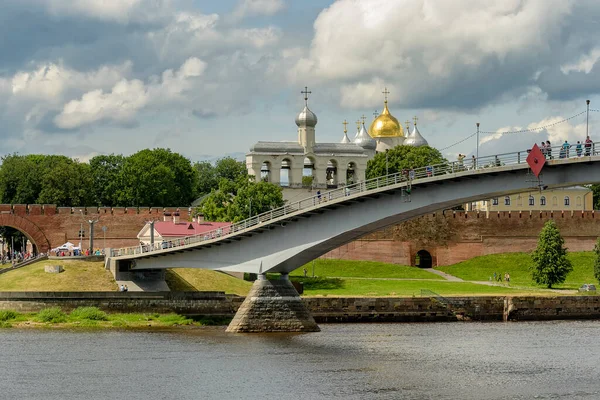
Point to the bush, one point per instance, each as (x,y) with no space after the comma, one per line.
(89,313)
(319,282)
(4,324)
(8,315)
(54,315)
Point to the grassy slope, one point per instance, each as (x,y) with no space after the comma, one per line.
(78,276)
(517,265)
(358,287)
(192,279)
(363,269)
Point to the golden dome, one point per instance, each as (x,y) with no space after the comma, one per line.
(385,125)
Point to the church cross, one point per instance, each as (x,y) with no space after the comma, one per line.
(345,123)
(407,122)
(385,93)
(358,124)
(376,114)
(415,119)
(363,118)
(305,92)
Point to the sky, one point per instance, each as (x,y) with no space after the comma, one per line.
(210,78)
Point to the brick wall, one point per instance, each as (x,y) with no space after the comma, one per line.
(62,224)
(476,234)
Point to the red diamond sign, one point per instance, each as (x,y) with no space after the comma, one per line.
(536,160)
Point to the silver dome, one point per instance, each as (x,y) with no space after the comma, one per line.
(415,139)
(346,139)
(364,140)
(306,118)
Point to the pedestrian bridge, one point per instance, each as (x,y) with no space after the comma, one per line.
(286,238)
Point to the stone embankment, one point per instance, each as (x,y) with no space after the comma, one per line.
(323,309)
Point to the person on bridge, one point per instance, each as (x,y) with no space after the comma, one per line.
(565,150)
(588,146)
(461,158)
(578,148)
(549,149)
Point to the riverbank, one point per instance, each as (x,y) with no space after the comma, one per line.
(94,318)
(176,308)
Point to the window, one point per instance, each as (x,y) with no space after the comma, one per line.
(578,201)
(495,201)
(531,200)
(507,200)
(519,200)
(567,201)
(543,201)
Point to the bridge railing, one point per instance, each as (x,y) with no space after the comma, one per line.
(350,190)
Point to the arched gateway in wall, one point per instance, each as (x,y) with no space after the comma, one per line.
(31,230)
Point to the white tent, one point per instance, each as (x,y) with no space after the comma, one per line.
(65,247)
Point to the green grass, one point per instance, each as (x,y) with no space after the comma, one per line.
(88,313)
(81,276)
(363,269)
(7,315)
(194,279)
(363,287)
(53,315)
(517,265)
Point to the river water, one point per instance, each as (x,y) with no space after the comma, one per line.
(542,360)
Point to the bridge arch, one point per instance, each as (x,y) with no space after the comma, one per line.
(29,229)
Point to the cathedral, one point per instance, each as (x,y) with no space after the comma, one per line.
(306,165)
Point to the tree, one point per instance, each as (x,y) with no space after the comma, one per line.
(236,201)
(550,263)
(107,178)
(65,182)
(20,180)
(596,193)
(403,158)
(597,260)
(156,177)
(206,178)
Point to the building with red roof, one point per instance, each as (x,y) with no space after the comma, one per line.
(171,228)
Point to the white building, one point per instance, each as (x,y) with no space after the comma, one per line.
(306,165)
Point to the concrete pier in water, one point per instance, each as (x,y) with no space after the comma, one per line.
(273,306)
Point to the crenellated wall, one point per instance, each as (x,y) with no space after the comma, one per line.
(50,226)
(474,234)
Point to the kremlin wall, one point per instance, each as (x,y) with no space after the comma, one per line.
(454,236)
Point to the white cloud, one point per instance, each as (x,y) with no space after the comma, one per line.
(121,11)
(430,49)
(585,63)
(248,8)
(122,104)
(50,81)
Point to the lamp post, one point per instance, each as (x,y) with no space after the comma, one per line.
(92,222)
(104,228)
(587,120)
(477,149)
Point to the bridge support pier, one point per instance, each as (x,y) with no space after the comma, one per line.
(273,306)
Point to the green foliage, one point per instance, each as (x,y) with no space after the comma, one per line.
(550,262)
(53,315)
(208,176)
(319,283)
(6,315)
(157,177)
(107,178)
(403,158)
(307,181)
(89,313)
(597,260)
(236,201)
(596,193)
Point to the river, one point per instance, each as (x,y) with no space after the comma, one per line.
(542,360)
